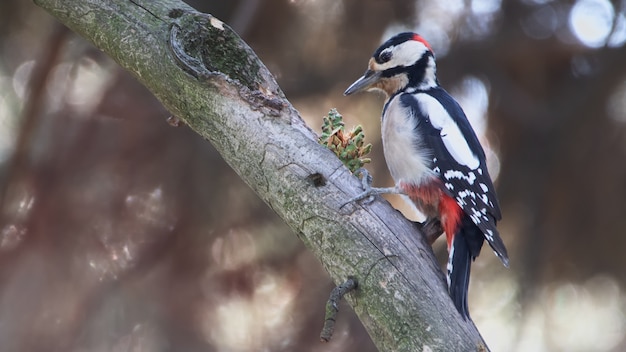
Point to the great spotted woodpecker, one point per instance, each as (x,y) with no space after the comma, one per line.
(434,155)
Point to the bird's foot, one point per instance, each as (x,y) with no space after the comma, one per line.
(370,192)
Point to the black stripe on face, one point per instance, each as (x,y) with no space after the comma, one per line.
(415,72)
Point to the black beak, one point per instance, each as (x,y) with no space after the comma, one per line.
(367,80)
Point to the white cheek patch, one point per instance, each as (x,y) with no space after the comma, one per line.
(402,55)
(451,134)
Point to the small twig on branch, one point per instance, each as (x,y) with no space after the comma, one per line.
(431,228)
(332,307)
(174,121)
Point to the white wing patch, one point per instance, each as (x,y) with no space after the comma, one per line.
(450,132)
(470,177)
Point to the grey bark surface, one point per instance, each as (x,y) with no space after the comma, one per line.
(208,77)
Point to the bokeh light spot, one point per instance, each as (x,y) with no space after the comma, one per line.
(21,77)
(618,37)
(591,21)
(482,7)
(616,105)
(541,23)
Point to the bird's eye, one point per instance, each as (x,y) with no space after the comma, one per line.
(384,56)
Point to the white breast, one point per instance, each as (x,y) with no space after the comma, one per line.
(407,158)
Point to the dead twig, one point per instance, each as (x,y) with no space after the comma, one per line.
(332,307)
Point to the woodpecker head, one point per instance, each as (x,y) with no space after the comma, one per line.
(405,61)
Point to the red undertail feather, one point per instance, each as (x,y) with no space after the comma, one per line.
(433,201)
(451,214)
(427,195)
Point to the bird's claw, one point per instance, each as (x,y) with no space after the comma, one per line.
(366,184)
(369,192)
(368,195)
(366,178)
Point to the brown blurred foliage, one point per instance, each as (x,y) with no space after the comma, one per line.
(119,232)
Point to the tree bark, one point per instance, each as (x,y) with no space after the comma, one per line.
(207,76)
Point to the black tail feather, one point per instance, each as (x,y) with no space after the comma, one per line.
(459,264)
(465,248)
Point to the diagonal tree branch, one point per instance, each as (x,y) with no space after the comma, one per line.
(207,76)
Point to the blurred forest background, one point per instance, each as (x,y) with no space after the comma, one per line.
(119,232)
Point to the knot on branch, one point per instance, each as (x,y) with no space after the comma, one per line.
(204,46)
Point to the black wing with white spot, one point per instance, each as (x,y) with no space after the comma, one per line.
(458,159)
